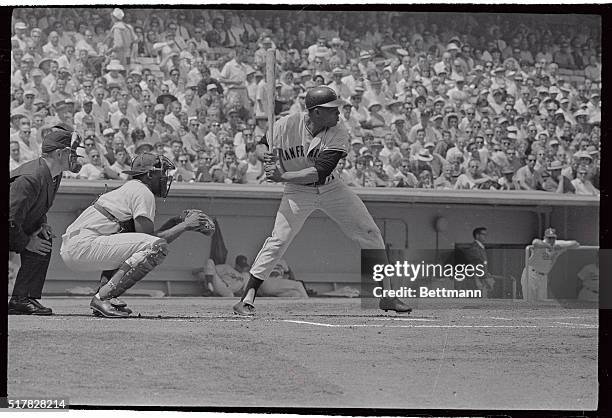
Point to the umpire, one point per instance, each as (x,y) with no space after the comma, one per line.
(33,186)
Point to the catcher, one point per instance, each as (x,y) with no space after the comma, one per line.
(116,233)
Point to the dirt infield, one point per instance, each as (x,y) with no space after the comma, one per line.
(496,354)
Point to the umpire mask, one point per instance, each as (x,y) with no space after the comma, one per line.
(73,163)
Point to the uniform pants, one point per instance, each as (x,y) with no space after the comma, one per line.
(32,273)
(87,251)
(534,284)
(339,202)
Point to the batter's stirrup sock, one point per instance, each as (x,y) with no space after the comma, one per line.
(251,289)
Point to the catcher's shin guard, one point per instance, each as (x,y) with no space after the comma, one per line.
(117,303)
(134,269)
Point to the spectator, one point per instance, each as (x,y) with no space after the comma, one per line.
(183,172)
(122,163)
(404,178)
(473,178)
(15,159)
(582,184)
(527,178)
(96,169)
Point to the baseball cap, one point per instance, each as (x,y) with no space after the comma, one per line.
(322,96)
(58,139)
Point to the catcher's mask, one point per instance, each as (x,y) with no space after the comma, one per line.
(153,170)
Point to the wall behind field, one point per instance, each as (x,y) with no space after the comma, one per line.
(321,253)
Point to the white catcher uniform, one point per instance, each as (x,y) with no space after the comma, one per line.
(297,150)
(92,241)
(534,280)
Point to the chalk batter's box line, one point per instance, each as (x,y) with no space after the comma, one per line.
(321,324)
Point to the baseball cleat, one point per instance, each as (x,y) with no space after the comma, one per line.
(393,304)
(105,309)
(244,309)
(120,305)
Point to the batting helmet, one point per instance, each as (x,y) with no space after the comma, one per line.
(322,96)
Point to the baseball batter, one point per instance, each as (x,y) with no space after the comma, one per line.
(307,149)
(542,257)
(116,234)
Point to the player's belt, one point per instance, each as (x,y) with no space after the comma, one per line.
(532,270)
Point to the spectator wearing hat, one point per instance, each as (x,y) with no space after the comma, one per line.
(37,86)
(506,181)
(342,90)
(556,182)
(376,116)
(121,37)
(351,123)
(32,191)
(27,108)
(86,112)
(113,76)
(20,35)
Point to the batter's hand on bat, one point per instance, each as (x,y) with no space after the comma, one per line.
(270,158)
(273,173)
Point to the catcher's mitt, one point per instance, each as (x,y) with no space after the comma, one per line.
(205,225)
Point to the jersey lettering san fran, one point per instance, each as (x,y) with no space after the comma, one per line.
(296,147)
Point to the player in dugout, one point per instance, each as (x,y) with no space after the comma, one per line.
(308,147)
(542,257)
(116,234)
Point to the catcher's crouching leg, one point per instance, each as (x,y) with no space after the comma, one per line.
(134,269)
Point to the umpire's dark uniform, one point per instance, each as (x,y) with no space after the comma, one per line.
(32,191)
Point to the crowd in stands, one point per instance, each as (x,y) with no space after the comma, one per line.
(432,100)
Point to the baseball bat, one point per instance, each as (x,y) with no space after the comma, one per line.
(270,100)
